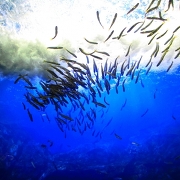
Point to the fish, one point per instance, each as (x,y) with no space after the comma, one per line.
(169,39)
(169,66)
(30,115)
(138,63)
(173,117)
(86,52)
(145,113)
(176,29)
(147,25)
(139,27)
(30,87)
(24,78)
(155,30)
(177,55)
(66,117)
(71,53)
(87,58)
(123,85)
(105,53)
(162,34)
(58,47)
(124,104)
(162,57)
(149,69)
(97,57)
(155,94)
(99,104)
(24,106)
(106,101)
(97,13)
(155,52)
(150,4)
(108,123)
(122,67)
(142,83)
(133,26)
(133,8)
(114,19)
(117,136)
(56,32)
(43,146)
(170,4)
(51,62)
(90,41)
(152,39)
(109,36)
(51,143)
(128,50)
(121,33)
(52,73)
(137,76)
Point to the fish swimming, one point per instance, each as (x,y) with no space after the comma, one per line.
(114,19)
(133,8)
(145,113)
(56,32)
(97,13)
(109,36)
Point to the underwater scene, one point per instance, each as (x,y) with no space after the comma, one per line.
(89,90)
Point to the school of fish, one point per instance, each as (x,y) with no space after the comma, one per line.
(74,85)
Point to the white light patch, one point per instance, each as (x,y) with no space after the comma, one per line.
(33,23)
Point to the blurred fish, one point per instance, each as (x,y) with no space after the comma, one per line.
(97,13)
(99,104)
(90,41)
(106,101)
(176,29)
(145,113)
(86,52)
(71,53)
(173,117)
(123,85)
(124,104)
(30,115)
(133,26)
(55,47)
(128,50)
(24,78)
(114,19)
(24,106)
(56,32)
(121,33)
(117,136)
(43,146)
(169,66)
(109,36)
(133,8)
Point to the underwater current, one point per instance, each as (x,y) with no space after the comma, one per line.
(89,90)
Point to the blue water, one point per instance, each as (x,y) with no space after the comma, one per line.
(135,137)
(148,147)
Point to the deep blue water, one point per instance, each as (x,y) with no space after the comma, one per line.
(148,147)
(134,134)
